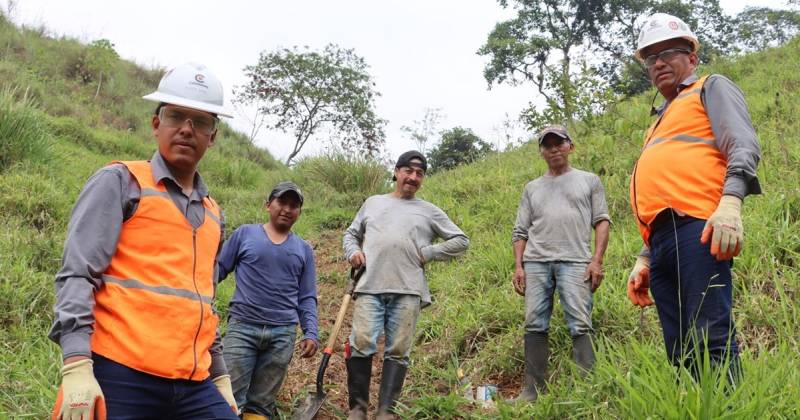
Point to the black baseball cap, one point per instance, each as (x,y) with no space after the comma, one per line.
(556,130)
(284,187)
(406,158)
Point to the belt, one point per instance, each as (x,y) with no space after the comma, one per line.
(666,217)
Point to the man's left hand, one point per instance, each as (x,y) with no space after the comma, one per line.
(223,384)
(726,225)
(308,348)
(594,273)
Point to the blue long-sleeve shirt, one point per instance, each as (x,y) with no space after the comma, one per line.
(275,283)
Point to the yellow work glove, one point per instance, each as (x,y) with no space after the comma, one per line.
(726,225)
(80,396)
(639,283)
(223,384)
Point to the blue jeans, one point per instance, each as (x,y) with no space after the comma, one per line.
(693,293)
(257,357)
(131,394)
(541,279)
(392,313)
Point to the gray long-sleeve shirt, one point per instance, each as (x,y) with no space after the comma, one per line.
(394,233)
(110,197)
(734,134)
(556,215)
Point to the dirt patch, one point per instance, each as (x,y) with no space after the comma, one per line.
(302,375)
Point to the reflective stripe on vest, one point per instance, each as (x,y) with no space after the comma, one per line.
(153,313)
(680,166)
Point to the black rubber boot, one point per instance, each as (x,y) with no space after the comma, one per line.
(537,353)
(583,353)
(359,371)
(394,373)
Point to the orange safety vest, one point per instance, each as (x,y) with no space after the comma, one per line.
(153,313)
(680,166)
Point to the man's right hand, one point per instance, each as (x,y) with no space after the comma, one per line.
(79,396)
(519,281)
(358,260)
(639,283)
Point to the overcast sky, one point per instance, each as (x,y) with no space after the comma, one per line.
(421,53)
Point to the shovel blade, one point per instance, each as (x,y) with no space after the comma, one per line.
(310,408)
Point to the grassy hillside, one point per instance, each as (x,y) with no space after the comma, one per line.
(476,321)
(56,130)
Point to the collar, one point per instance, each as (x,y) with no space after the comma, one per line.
(161,171)
(681,86)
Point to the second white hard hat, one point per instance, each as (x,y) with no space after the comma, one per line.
(191,85)
(661,27)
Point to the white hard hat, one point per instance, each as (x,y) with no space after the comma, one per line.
(661,27)
(191,85)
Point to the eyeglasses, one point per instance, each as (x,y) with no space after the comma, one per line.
(666,55)
(175,118)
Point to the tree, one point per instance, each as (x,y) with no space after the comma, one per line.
(617,40)
(539,45)
(458,146)
(304,91)
(423,131)
(572,51)
(762,27)
(100,60)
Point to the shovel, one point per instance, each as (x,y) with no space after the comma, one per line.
(314,401)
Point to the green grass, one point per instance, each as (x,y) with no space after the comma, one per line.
(55,136)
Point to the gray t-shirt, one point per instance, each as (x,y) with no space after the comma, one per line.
(556,215)
(393,233)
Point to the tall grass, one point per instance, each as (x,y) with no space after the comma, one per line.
(21,133)
(354,177)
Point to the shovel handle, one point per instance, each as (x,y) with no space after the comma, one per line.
(328,351)
(338,324)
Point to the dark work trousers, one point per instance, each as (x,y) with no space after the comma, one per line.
(693,295)
(131,394)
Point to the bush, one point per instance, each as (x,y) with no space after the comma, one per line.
(352,177)
(22,135)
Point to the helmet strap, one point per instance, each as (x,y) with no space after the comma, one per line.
(653,110)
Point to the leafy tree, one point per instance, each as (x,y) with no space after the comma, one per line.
(423,131)
(100,60)
(306,91)
(762,27)
(458,146)
(539,45)
(545,43)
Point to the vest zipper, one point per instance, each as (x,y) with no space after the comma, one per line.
(199,299)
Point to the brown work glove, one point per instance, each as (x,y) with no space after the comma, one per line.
(639,283)
(726,225)
(80,396)
(223,384)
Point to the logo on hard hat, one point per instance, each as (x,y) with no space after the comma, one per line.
(673,25)
(199,77)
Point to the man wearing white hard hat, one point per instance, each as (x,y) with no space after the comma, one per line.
(133,313)
(698,163)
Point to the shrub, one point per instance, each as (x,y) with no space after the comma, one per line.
(353,177)
(22,135)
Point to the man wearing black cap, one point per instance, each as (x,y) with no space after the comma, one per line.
(275,290)
(392,235)
(551,240)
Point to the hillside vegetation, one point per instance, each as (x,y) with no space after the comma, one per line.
(57,128)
